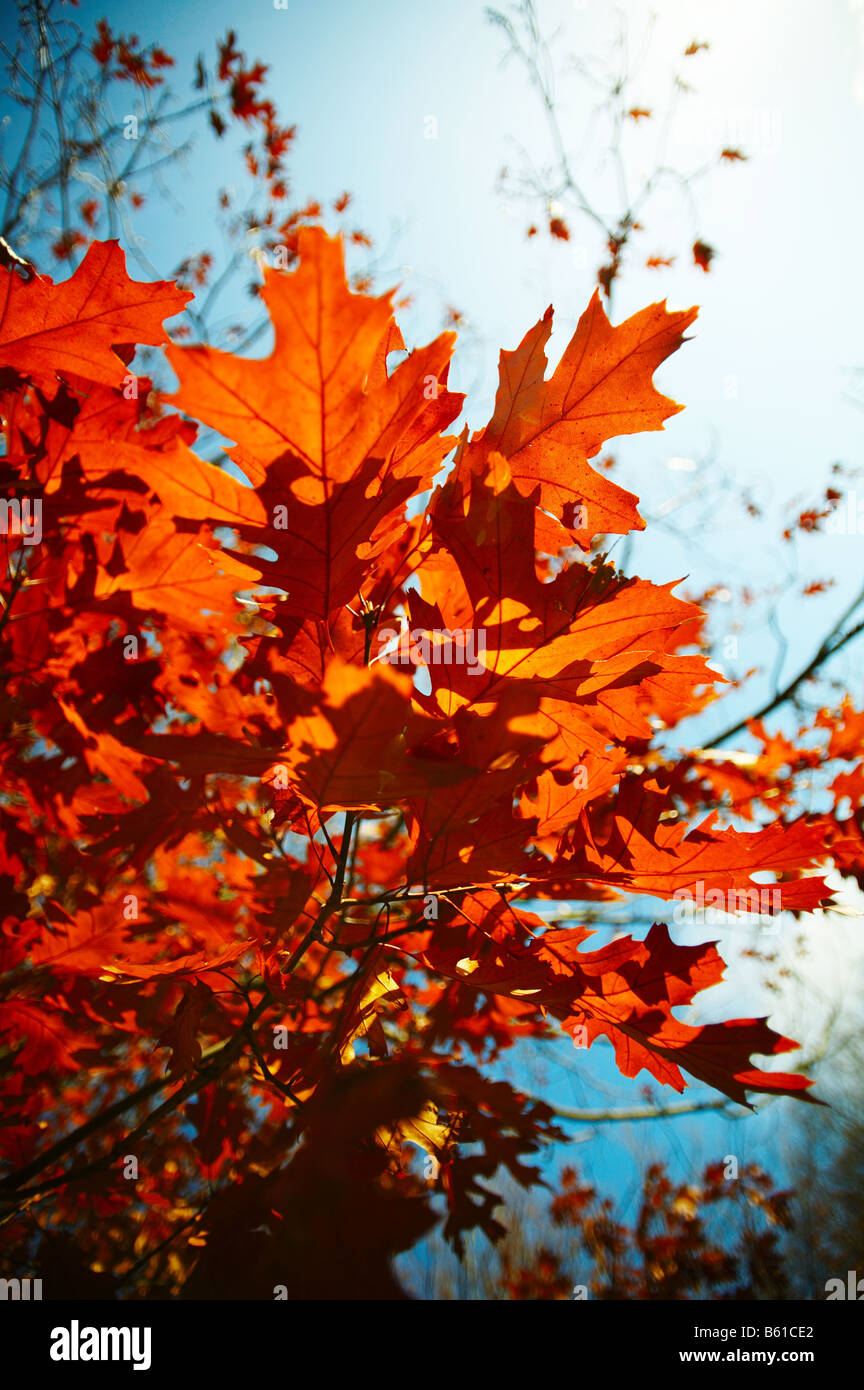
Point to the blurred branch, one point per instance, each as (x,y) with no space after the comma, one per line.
(832,643)
(639,1112)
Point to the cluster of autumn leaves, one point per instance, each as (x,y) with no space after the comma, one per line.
(232,92)
(671,1250)
(280,887)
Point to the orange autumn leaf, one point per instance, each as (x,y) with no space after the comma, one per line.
(625,991)
(333,446)
(547,430)
(361,747)
(49,330)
